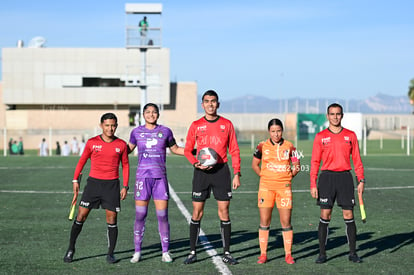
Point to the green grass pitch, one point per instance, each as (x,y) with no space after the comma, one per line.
(35,195)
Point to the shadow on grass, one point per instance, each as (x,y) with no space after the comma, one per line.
(307,242)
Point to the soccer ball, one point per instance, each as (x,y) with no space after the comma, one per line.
(207,156)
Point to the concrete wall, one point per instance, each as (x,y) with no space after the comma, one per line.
(55,75)
(62,124)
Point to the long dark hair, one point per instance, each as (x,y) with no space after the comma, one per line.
(274,121)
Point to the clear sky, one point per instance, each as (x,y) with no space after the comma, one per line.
(278,49)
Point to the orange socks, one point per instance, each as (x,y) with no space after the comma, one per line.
(263,239)
(287,239)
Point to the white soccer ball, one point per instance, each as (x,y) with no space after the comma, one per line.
(207,156)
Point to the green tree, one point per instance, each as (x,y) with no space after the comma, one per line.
(411,91)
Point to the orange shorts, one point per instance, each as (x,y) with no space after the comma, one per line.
(282,197)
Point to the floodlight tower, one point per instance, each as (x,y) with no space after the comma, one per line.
(143,33)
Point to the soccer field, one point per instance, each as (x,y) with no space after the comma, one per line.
(35,195)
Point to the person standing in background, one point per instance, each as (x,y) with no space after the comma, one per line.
(58,149)
(75,146)
(143,30)
(20,146)
(43,148)
(65,149)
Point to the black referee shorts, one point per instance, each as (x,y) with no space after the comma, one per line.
(217,179)
(101,193)
(336,186)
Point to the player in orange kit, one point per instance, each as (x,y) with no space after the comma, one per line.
(279,164)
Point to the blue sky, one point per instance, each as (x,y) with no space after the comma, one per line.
(278,49)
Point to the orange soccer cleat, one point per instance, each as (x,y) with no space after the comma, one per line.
(289,259)
(262,259)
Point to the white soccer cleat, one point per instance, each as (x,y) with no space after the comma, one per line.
(136,257)
(166,257)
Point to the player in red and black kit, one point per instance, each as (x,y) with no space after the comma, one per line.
(106,151)
(217,133)
(334,146)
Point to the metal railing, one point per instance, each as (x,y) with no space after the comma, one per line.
(137,38)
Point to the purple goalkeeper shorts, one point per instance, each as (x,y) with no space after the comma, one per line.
(155,187)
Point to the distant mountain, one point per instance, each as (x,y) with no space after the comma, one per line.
(373,105)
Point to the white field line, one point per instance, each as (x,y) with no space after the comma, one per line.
(221,267)
(235,192)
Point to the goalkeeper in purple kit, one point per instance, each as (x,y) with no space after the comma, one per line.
(152,140)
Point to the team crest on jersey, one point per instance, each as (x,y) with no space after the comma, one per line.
(118,150)
(286,154)
(347,139)
(222,127)
(160,135)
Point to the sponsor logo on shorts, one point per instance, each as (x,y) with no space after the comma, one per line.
(137,194)
(117,209)
(196,194)
(229,194)
(84,203)
(323,200)
(261,201)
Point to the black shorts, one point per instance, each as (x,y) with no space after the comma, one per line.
(104,193)
(337,186)
(217,179)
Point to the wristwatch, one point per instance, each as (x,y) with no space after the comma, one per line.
(238,173)
(362,180)
(126,187)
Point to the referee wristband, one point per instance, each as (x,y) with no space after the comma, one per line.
(75,181)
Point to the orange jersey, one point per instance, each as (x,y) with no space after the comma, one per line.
(276,171)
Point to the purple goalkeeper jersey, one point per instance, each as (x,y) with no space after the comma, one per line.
(152,146)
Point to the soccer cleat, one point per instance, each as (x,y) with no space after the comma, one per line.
(110,259)
(354,258)
(166,257)
(191,258)
(228,259)
(69,256)
(262,259)
(289,259)
(136,257)
(321,259)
